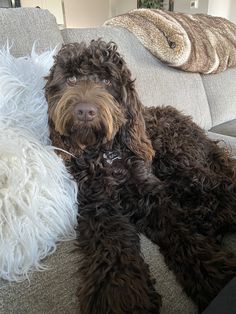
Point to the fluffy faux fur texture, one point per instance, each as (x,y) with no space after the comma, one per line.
(22,100)
(191,42)
(38,198)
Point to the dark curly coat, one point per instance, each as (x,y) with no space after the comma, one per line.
(139,170)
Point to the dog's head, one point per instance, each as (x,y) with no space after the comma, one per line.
(92,99)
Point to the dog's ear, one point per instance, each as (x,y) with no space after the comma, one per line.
(134,131)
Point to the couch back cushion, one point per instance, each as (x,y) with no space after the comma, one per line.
(157,84)
(23,26)
(221,93)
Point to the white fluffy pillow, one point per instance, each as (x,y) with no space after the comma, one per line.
(38,198)
(37,203)
(22,100)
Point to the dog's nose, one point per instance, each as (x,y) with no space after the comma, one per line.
(86,112)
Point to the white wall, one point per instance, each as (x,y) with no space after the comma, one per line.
(83,13)
(184,6)
(219,8)
(86,13)
(232,11)
(121,6)
(223,8)
(226,8)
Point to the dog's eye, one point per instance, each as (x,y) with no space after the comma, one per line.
(106,82)
(72,80)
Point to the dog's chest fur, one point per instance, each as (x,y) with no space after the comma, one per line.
(113,177)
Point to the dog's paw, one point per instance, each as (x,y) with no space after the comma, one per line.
(133,296)
(122,295)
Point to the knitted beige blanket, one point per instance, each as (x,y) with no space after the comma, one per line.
(194,43)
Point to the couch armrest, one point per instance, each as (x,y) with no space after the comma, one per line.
(227,128)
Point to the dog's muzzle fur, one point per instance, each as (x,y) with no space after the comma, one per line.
(87,114)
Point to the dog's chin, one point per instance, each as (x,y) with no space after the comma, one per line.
(88,136)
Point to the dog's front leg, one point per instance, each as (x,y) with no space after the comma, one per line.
(114,279)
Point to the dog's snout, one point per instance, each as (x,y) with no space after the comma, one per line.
(86,112)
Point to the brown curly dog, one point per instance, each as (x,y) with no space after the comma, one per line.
(139,170)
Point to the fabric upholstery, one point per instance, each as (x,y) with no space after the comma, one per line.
(221,94)
(54,290)
(51,291)
(156,83)
(22,27)
(174,300)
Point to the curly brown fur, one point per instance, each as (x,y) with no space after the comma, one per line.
(149,170)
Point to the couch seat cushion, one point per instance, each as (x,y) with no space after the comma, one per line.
(51,291)
(54,290)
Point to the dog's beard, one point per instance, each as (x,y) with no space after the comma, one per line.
(80,134)
(88,134)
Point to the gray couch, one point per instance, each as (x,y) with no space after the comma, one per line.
(210,100)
